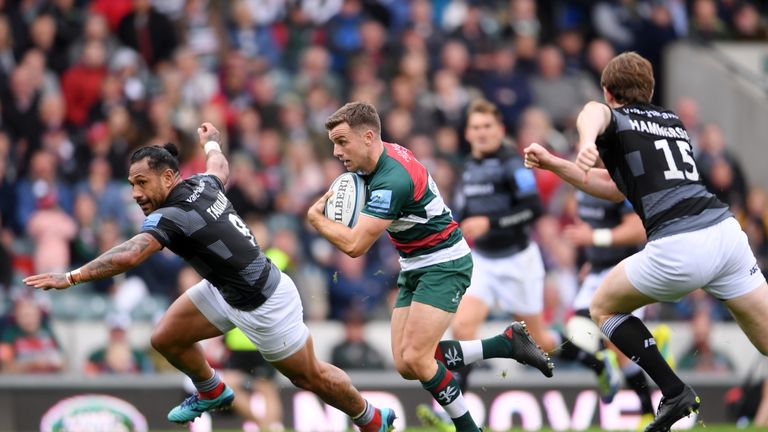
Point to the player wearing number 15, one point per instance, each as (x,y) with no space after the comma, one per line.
(242,288)
(693,240)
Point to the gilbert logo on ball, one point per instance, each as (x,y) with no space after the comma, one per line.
(347,199)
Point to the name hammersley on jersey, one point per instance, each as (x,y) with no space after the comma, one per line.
(654,128)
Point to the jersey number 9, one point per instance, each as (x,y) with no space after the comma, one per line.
(242,227)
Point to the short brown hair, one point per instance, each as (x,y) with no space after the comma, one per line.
(629,78)
(355,114)
(483,106)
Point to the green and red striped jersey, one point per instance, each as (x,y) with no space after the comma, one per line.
(423,230)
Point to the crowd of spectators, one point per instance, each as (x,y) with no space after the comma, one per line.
(84,83)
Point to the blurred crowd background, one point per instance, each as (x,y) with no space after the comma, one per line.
(84,83)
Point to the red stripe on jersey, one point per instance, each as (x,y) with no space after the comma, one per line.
(426,242)
(415,169)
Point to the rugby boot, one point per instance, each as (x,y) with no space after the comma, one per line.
(609,379)
(193,407)
(673,409)
(525,350)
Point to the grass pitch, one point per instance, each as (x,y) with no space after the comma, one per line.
(699,428)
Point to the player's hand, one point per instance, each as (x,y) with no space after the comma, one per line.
(475,226)
(47,281)
(536,156)
(208,132)
(587,157)
(579,233)
(318,208)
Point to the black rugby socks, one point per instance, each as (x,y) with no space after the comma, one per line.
(632,337)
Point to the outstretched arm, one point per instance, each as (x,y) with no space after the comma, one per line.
(596,182)
(215,162)
(119,259)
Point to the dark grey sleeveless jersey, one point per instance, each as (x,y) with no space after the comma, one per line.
(648,154)
(500,187)
(198,223)
(599,213)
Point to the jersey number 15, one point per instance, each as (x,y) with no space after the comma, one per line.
(673,173)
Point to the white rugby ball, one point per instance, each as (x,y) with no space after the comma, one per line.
(347,199)
(584,333)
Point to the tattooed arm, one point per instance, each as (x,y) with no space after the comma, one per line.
(119,259)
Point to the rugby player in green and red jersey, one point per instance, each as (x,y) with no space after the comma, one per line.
(435,260)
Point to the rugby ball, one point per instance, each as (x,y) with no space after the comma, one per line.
(347,199)
(584,333)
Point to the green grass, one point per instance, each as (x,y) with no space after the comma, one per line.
(700,428)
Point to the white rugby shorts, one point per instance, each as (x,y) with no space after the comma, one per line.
(717,259)
(276,327)
(515,283)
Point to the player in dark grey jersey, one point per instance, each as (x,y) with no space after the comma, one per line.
(242,288)
(693,240)
(497,207)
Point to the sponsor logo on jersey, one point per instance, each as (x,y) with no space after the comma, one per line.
(380,200)
(650,113)
(472,190)
(526,182)
(151,221)
(754,269)
(402,152)
(196,192)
